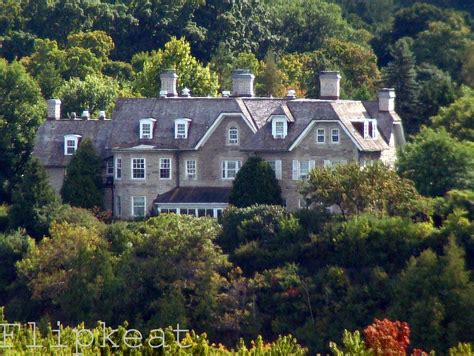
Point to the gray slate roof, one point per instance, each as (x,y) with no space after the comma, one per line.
(122,132)
(49,145)
(195,195)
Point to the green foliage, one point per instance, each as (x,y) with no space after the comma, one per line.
(353,190)
(98,42)
(401,75)
(353,345)
(458,118)
(255,172)
(82,185)
(191,73)
(270,79)
(4,220)
(433,293)
(94,93)
(31,195)
(453,168)
(21,112)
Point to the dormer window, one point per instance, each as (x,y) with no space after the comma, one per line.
(370,129)
(70,144)
(181,127)
(146,128)
(279,127)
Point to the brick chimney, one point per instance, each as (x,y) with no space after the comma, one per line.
(54,109)
(387,99)
(242,83)
(330,85)
(168,82)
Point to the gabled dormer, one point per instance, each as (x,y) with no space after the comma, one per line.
(71,142)
(181,128)
(146,128)
(279,126)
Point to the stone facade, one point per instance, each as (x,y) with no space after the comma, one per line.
(192,173)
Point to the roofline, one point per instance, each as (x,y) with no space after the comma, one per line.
(217,122)
(311,125)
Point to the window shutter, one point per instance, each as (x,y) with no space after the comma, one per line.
(278,169)
(327,163)
(312,164)
(295,169)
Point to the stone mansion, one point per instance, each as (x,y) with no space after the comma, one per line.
(179,153)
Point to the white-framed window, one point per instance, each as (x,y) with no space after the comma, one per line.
(70,144)
(233,138)
(138,168)
(138,206)
(118,168)
(146,128)
(279,127)
(181,128)
(327,163)
(230,169)
(370,129)
(335,136)
(118,206)
(165,168)
(191,169)
(320,136)
(276,166)
(109,167)
(302,168)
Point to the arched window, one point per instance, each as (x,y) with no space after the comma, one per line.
(233,135)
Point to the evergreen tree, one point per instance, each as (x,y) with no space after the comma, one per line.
(31,196)
(270,81)
(83,182)
(255,183)
(401,75)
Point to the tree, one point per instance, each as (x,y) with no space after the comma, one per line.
(255,173)
(31,197)
(83,182)
(434,295)
(191,73)
(436,162)
(458,118)
(437,90)
(270,80)
(353,190)
(22,110)
(98,42)
(401,75)
(94,93)
(386,337)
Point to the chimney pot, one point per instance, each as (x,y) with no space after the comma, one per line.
(226,93)
(291,94)
(387,99)
(54,109)
(330,85)
(242,83)
(102,115)
(168,82)
(163,93)
(86,115)
(186,93)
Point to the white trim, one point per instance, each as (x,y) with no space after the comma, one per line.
(117,167)
(311,125)
(71,137)
(146,121)
(324,136)
(225,168)
(133,205)
(181,121)
(237,142)
(277,119)
(187,175)
(170,168)
(338,137)
(278,173)
(216,123)
(131,168)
